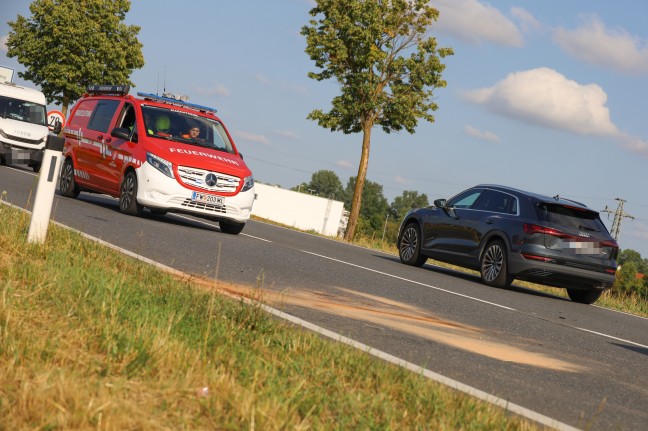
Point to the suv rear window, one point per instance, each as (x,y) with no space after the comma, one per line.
(573,217)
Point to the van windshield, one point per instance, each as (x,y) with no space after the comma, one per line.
(22,110)
(187,128)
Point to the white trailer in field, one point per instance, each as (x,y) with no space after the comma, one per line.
(300,210)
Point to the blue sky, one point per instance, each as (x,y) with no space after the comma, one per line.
(548,96)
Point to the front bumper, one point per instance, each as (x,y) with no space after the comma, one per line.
(156,190)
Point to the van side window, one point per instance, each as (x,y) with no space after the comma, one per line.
(127,117)
(103,115)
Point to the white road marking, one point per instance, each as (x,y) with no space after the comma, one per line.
(610,336)
(411,281)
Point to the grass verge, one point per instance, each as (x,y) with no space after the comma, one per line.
(90,338)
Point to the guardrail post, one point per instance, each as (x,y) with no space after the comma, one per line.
(49,173)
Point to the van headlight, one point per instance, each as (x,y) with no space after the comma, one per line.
(248,183)
(160,164)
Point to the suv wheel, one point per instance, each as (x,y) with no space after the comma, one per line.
(128,195)
(494,266)
(584,296)
(67,186)
(231,227)
(409,246)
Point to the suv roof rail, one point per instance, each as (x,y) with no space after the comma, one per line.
(176,102)
(113,90)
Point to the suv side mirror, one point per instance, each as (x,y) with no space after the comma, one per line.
(440,203)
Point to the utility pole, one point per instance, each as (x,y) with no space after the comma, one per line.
(619,215)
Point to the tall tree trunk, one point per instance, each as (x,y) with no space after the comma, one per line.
(360,181)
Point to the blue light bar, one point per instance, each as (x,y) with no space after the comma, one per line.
(171,101)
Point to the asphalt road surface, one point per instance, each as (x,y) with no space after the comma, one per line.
(585,366)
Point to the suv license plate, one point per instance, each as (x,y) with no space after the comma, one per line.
(205,198)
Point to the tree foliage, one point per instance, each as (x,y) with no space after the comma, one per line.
(67,45)
(408,200)
(386,64)
(374,207)
(323,183)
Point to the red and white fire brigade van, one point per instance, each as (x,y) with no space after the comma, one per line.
(155,152)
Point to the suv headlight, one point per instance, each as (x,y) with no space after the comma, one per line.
(248,183)
(160,164)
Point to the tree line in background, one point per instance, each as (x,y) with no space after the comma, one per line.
(380,220)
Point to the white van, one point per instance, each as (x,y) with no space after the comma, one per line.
(23,125)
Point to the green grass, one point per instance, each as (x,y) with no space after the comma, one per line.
(92,339)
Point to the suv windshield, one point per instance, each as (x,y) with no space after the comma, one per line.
(22,110)
(573,217)
(187,128)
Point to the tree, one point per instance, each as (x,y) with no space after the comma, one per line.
(323,183)
(385,63)
(629,255)
(408,200)
(374,208)
(67,45)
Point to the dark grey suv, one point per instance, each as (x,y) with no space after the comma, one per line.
(508,234)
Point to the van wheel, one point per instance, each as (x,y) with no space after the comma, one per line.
(128,195)
(231,227)
(36,167)
(494,265)
(584,296)
(67,186)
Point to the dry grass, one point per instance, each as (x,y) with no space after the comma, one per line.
(90,339)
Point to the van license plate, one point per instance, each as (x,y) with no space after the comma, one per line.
(205,198)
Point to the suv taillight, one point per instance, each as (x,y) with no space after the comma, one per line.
(530,229)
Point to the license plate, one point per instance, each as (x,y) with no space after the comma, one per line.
(207,199)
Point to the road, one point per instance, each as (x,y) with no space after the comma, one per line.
(585,366)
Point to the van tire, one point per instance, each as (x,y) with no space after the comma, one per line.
(67,185)
(128,195)
(231,227)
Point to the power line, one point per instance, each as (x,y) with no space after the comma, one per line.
(619,215)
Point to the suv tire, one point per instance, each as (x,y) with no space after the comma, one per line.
(494,266)
(409,246)
(584,296)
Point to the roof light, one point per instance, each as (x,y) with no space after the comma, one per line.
(177,102)
(115,90)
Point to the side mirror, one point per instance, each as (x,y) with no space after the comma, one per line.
(121,133)
(56,128)
(440,203)
(241,156)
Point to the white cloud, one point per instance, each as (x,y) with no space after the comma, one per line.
(634,144)
(252,137)
(545,97)
(612,49)
(345,164)
(217,90)
(640,230)
(473,22)
(402,180)
(481,134)
(3,43)
(288,134)
(528,23)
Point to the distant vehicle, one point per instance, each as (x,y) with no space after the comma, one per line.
(23,125)
(508,234)
(156,152)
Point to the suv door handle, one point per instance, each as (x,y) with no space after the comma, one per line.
(489,221)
